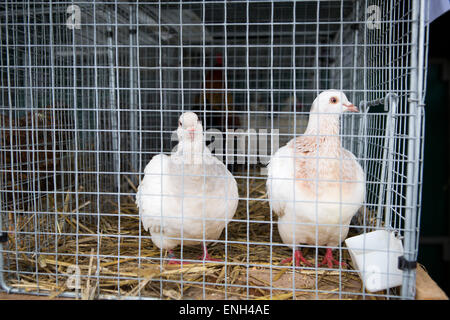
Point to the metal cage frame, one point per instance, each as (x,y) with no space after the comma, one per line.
(146,62)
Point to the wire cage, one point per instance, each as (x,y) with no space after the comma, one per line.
(91,91)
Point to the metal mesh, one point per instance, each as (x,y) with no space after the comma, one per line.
(90,91)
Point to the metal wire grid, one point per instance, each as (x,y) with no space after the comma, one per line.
(116,86)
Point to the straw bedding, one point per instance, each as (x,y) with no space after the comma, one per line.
(113,262)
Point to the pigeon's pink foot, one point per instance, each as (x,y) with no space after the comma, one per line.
(330,260)
(205,256)
(298,259)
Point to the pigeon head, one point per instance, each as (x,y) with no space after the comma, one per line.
(333,102)
(189,127)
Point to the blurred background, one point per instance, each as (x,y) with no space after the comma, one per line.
(434,246)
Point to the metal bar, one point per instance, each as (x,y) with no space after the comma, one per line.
(112,99)
(392,123)
(408,288)
(133,85)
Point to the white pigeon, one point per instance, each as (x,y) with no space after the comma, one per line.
(189,196)
(314,185)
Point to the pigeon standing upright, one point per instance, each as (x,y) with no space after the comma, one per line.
(314,185)
(189,196)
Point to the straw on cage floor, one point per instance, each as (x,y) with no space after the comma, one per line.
(139,264)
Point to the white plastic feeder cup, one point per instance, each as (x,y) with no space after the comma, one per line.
(375,257)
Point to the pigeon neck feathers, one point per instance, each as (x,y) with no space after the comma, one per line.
(323,128)
(190,152)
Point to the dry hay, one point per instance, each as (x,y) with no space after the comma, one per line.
(112,261)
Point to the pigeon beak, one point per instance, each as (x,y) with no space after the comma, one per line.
(351,107)
(191,132)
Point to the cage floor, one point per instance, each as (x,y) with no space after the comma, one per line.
(111,260)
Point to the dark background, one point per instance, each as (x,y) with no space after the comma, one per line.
(434,246)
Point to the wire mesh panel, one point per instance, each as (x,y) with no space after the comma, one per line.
(91,96)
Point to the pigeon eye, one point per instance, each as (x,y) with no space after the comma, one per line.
(179,123)
(333,100)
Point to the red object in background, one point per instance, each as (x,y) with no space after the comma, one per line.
(215,78)
(217,99)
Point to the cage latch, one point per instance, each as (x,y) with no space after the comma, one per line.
(3,237)
(404,264)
